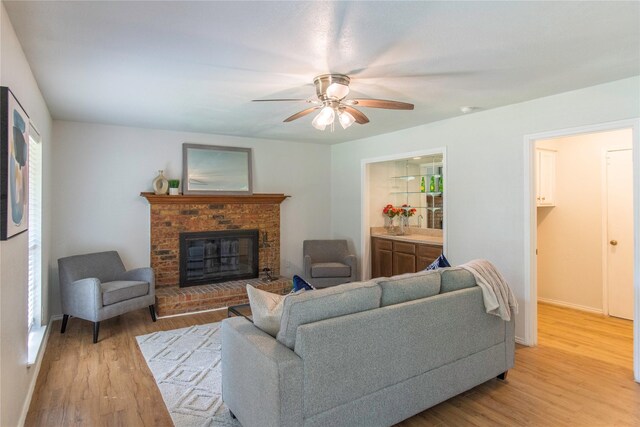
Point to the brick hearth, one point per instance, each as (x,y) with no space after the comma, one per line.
(172,215)
(172,300)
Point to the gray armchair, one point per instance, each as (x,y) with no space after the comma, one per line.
(328,263)
(96,287)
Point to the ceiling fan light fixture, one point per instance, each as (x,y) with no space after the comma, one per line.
(326,116)
(316,123)
(346,119)
(337,90)
(332,90)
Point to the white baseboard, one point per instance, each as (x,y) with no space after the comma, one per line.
(570,305)
(521,341)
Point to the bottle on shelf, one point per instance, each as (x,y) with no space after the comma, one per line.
(432,184)
(440,184)
(423,185)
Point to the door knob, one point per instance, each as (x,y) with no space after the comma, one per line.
(613,242)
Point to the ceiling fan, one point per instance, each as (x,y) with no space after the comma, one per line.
(332,90)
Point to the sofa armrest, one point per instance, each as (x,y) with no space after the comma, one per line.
(261,378)
(143,274)
(82,298)
(307,266)
(351,261)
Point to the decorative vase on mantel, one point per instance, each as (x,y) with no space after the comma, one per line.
(160,184)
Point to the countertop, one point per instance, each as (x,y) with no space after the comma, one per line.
(412,237)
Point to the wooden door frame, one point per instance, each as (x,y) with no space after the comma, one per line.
(365,232)
(530,227)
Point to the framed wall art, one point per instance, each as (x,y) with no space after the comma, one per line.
(211,169)
(14,166)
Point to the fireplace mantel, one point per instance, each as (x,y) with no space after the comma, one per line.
(268,199)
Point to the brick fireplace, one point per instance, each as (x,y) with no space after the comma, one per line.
(172,215)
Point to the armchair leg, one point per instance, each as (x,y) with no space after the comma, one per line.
(96,329)
(503,376)
(65,319)
(152,310)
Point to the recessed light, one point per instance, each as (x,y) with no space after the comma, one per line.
(417,158)
(467,109)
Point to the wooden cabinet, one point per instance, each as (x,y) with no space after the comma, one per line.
(545,177)
(404,258)
(425,255)
(391,257)
(382,257)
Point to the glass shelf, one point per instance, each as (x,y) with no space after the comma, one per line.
(417,192)
(418,207)
(412,177)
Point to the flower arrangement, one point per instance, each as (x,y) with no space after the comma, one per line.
(407,211)
(391,212)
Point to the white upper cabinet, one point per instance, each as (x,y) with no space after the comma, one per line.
(546,177)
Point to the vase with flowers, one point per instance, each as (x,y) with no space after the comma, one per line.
(406,212)
(391,215)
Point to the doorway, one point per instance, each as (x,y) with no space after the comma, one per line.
(575,214)
(531,228)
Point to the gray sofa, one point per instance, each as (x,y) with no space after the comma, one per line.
(366,353)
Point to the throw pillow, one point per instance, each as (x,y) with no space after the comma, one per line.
(299,283)
(266,309)
(440,262)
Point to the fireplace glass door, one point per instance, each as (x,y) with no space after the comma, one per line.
(218,256)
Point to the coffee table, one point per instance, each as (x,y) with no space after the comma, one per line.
(243,310)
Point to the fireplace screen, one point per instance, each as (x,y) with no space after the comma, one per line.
(218,256)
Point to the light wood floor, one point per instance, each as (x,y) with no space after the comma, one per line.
(579,375)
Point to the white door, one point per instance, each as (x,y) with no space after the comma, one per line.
(620,233)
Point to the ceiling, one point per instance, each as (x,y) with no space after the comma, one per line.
(196,66)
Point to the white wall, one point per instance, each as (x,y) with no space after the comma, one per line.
(570,234)
(485,178)
(379,191)
(99,172)
(16,379)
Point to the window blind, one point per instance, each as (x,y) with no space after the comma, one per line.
(35,231)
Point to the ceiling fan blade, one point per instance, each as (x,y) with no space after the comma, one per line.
(360,118)
(382,103)
(300,114)
(282,99)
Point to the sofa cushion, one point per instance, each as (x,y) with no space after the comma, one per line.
(407,287)
(309,307)
(330,269)
(266,309)
(456,278)
(122,290)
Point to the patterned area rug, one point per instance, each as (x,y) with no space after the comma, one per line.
(186,366)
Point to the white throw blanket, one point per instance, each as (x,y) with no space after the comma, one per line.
(498,298)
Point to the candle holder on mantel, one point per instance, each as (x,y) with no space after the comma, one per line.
(264,244)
